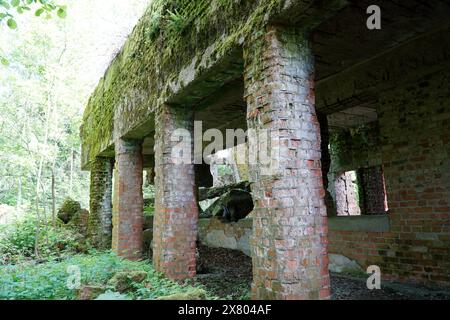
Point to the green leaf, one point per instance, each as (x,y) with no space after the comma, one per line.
(39,12)
(15,3)
(12,24)
(61,13)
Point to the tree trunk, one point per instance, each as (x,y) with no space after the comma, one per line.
(71,172)
(38,231)
(19,195)
(45,216)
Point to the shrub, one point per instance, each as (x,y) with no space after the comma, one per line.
(148,191)
(149,210)
(17,241)
(68,209)
(49,280)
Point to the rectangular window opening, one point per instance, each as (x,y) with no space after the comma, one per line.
(361,192)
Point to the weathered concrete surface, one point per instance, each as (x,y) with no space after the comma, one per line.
(398,66)
(236,236)
(230,235)
(162,63)
(339,263)
(360,223)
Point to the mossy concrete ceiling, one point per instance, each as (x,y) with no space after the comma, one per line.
(200,64)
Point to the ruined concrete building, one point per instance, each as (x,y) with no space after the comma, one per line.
(354,107)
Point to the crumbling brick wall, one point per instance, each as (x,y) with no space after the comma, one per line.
(415,131)
(100,203)
(346,195)
(372,194)
(357,151)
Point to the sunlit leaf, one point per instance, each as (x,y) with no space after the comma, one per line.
(39,12)
(4,61)
(12,24)
(61,13)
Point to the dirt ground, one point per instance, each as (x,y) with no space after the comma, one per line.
(228,274)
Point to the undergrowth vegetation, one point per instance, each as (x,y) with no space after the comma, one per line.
(148,191)
(18,241)
(65,264)
(51,280)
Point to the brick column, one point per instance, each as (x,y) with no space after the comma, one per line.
(176,210)
(289,245)
(100,207)
(128,201)
(326,162)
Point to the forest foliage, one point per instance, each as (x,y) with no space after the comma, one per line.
(52,54)
(53,66)
(40,8)
(49,280)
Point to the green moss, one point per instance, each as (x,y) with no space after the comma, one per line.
(124,281)
(70,205)
(193,294)
(171,35)
(68,210)
(354,145)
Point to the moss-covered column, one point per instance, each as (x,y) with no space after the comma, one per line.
(128,200)
(100,208)
(289,245)
(176,210)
